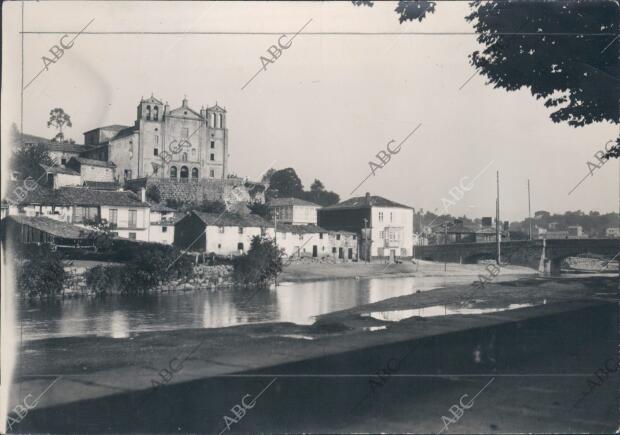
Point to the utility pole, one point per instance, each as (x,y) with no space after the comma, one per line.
(497,225)
(445,240)
(529,207)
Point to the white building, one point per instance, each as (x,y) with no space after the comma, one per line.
(127,214)
(163,220)
(219,233)
(313,241)
(293,211)
(385,227)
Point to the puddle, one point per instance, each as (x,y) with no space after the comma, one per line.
(297,336)
(436,310)
(374,328)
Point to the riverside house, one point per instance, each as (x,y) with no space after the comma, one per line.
(219,233)
(163,220)
(384,226)
(293,211)
(127,214)
(313,241)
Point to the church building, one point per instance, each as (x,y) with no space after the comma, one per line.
(179,144)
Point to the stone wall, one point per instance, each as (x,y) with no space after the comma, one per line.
(229,189)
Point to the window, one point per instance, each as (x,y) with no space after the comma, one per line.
(155,113)
(380,216)
(240,246)
(221,229)
(133,218)
(211,173)
(354,237)
(184,173)
(220,121)
(333,250)
(194,172)
(148,113)
(184,132)
(320,235)
(113,216)
(127,174)
(337,236)
(156,138)
(240,230)
(212,144)
(164,229)
(132,236)
(212,119)
(301,237)
(212,157)
(173,172)
(155,151)
(390,216)
(63,161)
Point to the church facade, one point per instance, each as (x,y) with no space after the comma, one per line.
(179,144)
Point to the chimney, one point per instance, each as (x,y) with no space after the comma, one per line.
(368,198)
(143,194)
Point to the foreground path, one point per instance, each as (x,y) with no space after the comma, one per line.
(539,360)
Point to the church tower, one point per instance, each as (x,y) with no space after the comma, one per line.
(216,163)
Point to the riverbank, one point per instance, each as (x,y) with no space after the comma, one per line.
(241,360)
(299,272)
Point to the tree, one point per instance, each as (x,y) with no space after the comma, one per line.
(285,183)
(27,160)
(59,119)
(562,51)
(261,265)
(258,208)
(317,186)
(153,194)
(41,274)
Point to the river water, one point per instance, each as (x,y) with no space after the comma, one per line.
(119,316)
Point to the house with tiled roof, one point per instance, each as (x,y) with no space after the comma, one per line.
(127,214)
(310,240)
(180,144)
(42,230)
(58,176)
(220,233)
(293,211)
(93,170)
(385,227)
(163,221)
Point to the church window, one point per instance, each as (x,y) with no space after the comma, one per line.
(148,113)
(194,172)
(155,152)
(156,113)
(212,173)
(212,144)
(184,172)
(212,157)
(219,120)
(173,172)
(212,119)
(184,132)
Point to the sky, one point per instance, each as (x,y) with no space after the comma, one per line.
(350,83)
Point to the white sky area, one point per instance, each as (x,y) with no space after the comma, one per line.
(325,107)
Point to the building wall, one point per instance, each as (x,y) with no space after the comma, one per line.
(124,153)
(226,242)
(62,157)
(327,244)
(66,180)
(161,233)
(96,173)
(395,220)
(189,234)
(141,229)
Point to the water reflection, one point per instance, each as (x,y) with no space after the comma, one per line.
(436,310)
(120,316)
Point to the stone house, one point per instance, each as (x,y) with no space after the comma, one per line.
(316,242)
(93,170)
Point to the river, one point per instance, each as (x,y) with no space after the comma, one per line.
(120,316)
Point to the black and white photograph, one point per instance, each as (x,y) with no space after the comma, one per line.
(344,217)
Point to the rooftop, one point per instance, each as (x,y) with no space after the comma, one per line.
(93,162)
(232,220)
(117,127)
(102,185)
(81,196)
(52,226)
(290,201)
(365,202)
(58,170)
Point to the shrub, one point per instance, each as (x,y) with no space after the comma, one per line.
(42,274)
(153,194)
(260,265)
(105,278)
(156,265)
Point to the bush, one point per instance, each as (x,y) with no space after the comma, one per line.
(42,274)
(260,265)
(151,267)
(153,194)
(104,278)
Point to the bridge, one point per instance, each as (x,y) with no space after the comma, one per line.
(544,255)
